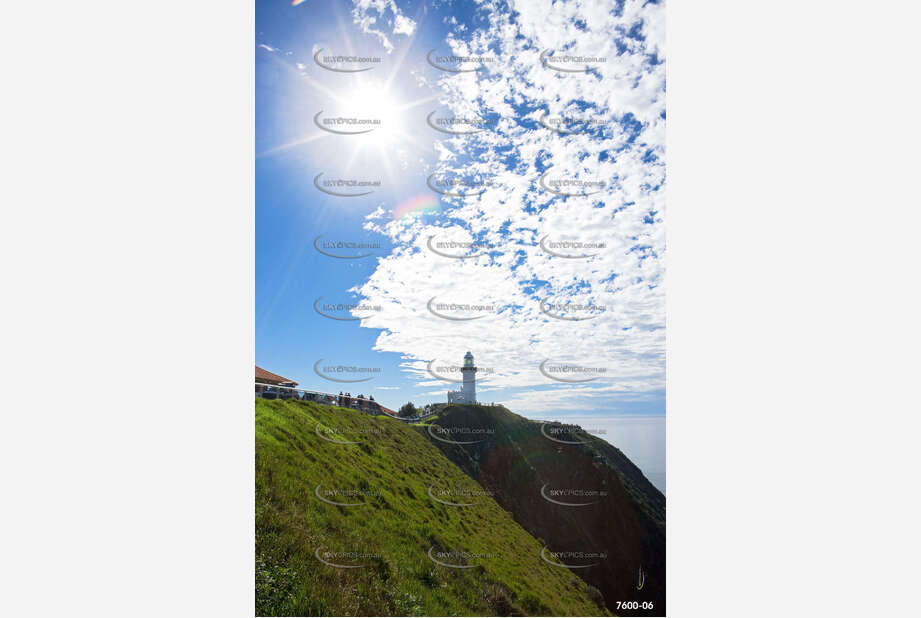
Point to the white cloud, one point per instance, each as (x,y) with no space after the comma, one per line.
(367,13)
(628,95)
(403,25)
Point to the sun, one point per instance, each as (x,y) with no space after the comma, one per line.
(377,127)
(363,122)
(376,111)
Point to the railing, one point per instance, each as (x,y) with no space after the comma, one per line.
(363,404)
(274,391)
(416,419)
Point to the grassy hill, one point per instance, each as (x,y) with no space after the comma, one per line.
(386,546)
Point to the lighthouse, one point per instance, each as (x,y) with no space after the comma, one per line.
(467,393)
(469,373)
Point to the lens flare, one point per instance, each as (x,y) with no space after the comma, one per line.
(296,2)
(422,204)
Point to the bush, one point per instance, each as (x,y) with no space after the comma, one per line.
(500,602)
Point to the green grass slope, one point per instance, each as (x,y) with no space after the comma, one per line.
(390,534)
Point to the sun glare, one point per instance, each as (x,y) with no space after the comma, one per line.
(375,109)
(363,116)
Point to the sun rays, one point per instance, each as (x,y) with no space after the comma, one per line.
(361,121)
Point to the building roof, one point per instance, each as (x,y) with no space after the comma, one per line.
(267,376)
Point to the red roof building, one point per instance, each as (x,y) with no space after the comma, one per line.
(267,377)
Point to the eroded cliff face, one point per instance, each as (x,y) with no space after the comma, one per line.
(582,498)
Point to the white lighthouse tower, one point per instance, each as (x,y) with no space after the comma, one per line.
(469,373)
(467,393)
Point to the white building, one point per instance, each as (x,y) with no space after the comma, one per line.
(467,393)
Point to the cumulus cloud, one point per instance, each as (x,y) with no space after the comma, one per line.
(368,13)
(609,128)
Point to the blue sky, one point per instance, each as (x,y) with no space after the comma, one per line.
(557,212)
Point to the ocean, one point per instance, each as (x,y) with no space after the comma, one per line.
(640,438)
